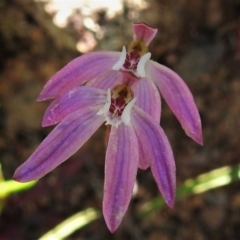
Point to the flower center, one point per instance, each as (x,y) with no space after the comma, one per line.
(118,105)
(136,50)
(134,60)
(121,96)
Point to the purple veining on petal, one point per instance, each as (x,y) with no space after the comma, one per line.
(120,173)
(158,149)
(178,97)
(61,143)
(106,80)
(143,32)
(77,72)
(148,97)
(71,101)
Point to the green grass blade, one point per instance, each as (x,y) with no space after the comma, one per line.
(11,186)
(70,225)
(204,182)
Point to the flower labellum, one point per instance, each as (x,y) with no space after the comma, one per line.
(118,106)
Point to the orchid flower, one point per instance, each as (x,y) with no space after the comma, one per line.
(134,138)
(132,67)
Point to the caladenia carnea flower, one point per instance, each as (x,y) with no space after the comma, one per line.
(132,67)
(135,140)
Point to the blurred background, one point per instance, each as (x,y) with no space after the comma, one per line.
(198,39)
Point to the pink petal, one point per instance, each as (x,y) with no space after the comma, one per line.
(108,79)
(178,97)
(61,143)
(120,174)
(148,97)
(71,101)
(77,72)
(158,149)
(143,32)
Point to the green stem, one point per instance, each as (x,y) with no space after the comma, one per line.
(70,225)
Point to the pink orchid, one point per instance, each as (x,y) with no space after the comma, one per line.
(121,89)
(134,137)
(132,67)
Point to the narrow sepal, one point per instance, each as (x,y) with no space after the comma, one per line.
(120,173)
(61,143)
(157,147)
(71,101)
(77,72)
(178,97)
